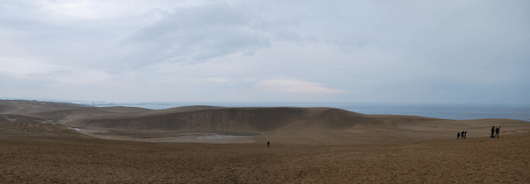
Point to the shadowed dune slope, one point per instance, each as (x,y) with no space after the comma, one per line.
(205,119)
(307,125)
(275,124)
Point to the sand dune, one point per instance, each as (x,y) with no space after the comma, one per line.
(305,125)
(315,126)
(309,145)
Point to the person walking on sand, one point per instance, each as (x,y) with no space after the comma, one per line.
(268,143)
(458,135)
(462,135)
(492,131)
(497,131)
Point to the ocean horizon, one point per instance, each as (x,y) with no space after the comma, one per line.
(444,111)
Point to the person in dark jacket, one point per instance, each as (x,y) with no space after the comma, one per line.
(458,135)
(268,143)
(492,131)
(497,131)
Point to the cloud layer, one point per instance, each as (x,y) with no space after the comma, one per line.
(295,86)
(346,51)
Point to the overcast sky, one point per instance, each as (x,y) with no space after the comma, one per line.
(266,51)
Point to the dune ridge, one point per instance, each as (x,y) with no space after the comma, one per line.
(292,125)
(308,145)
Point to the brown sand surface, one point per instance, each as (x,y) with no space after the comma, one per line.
(288,125)
(38,144)
(81,160)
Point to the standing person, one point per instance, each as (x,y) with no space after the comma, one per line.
(268,143)
(458,135)
(465,134)
(492,131)
(462,135)
(497,131)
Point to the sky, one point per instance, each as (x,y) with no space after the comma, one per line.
(475,51)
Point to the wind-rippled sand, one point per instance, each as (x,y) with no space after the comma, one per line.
(82,160)
(308,145)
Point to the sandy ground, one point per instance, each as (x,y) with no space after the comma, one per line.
(288,125)
(80,160)
(164,136)
(63,143)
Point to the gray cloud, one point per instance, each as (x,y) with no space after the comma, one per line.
(200,33)
(359,51)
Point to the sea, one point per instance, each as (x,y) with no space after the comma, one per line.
(445,111)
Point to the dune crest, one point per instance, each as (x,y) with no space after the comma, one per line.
(289,125)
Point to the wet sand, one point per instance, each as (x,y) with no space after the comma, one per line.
(167,136)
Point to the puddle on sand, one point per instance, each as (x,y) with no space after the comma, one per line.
(188,138)
(217,136)
(76,129)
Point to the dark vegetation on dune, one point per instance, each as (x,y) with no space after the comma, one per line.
(4,107)
(20,119)
(11,125)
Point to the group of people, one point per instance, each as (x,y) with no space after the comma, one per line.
(495,131)
(461,135)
